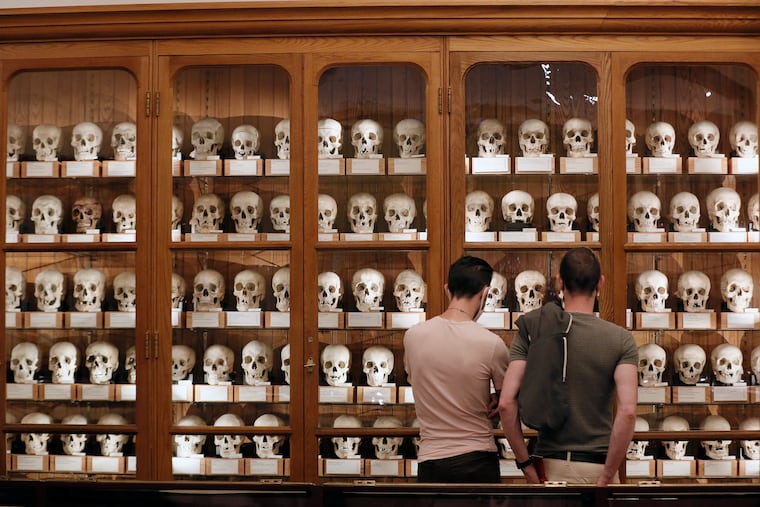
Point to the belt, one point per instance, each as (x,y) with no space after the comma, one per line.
(585,457)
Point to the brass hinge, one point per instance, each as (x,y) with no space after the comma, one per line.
(448,99)
(155,345)
(147,344)
(147,104)
(440,101)
(157,105)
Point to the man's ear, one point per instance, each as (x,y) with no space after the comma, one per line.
(559,284)
(600,284)
(448,292)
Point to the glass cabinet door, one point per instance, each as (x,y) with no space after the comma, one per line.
(76,170)
(373,220)
(692,261)
(232,241)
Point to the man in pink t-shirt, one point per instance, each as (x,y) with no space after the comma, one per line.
(452,363)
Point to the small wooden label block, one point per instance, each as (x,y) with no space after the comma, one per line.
(126,392)
(543,164)
(43,320)
(691,394)
(580,165)
(217,393)
(83,320)
(276,236)
(405,395)
(58,392)
(252,394)
(640,468)
(20,391)
(676,468)
(647,237)
(80,169)
(81,238)
(176,167)
(656,395)
(717,468)
(411,468)
(40,238)
(276,320)
(12,169)
(561,237)
(70,464)
(240,236)
(40,169)
(739,320)
(527,235)
(329,236)
(281,394)
(183,392)
(331,320)
(404,320)
(398,236)
(119,168)
(331,167)
(30,463)
(330,466)
(204,237)
(225,466)
(251,167)
(701,320)
(662,165)
(14,320)
(480,237)
(365,319)
(120,320)
(712,165)
(178,318)
(96,392)
(241,319)
(384,467)
(275,467)
(277,167)
(13,237)
(365,166)
(404,166)
(721,394)
(743,165)
(491,165)
(632,164)
(655,320)
(336,394)
(754,394)
(188,466)
(697,236)
(380,395)
(203,167)
(208,319)
(120,237)
(727,237)
(358,236)
(749,468)
(495,320)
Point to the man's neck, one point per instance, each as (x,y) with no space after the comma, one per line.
(580,303)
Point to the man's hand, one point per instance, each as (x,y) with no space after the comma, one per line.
(493,407)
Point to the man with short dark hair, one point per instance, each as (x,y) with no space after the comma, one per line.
(452,362)
(601,372)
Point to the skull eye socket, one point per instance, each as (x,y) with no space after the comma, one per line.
(661,290)
(280,136)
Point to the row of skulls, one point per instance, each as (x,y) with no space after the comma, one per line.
(518,207)
(534,137)
(47,214)
(399,212)
(256,361)
(88,291)
(228,445)
(249,288)
(246,209)
(723,206)
(368,287)
(86,141)
(207,138)
(689,361)
(73,444)
(385,447)
(703,137)
(377,364)
(693,289)
(713,449)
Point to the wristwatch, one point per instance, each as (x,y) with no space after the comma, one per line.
(522,465)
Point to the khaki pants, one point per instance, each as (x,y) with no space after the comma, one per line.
(574,472)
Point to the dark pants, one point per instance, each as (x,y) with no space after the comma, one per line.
(472,467)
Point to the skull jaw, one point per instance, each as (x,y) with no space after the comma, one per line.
(62,376)
(751,449)
(100,377)
(346,448)
(716,449)
(376,378)
(675,450)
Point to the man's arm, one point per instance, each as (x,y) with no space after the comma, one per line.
(510,416)
(626,391)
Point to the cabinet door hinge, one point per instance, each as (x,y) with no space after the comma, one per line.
(155,345)
(147,104)
(440,101)
(448,100)
(157,105)
(147,344)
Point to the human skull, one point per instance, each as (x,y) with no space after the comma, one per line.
(207,137)
(533,137)
(246,210)
(74,443)
(362,212)
(183,361)
(282,139)
(46,140)
(125,291)
(177,139)
(753,212)
(750,448)
(86,213)
(178,210)
(399,210)
(330,291)
(279,213)
(377,365)
(684,212)
(285,362)
(517,207)
(85,139)
(336,361)
(409,290)
(112,444)
(15,213)
(637,448)
(15,289)
(726,361)
(592,211)
(15,144)
(367,138)
(208,213)
(208,290)
(492,136)
(249,289)
(652,362)
(561,209)
(130,364)
(652,290)
(89,290)
(268,446)
(496,293)
(47,213)
(478,206)
(328,212)
(346,447)
(124,213)
(530,288)
(743,138)
(578,137)
(755,361)
(281,288)
(218,362)
(387,447)
(723,207)
(102,360)
(257,362)
(644,211)
(715,449)
(704,137)
(660,138)
(178,290)
(689,361)
(124,141)
(693,291)
(630,137)
(228,446)
(49,288)
(737,287)
(367,286)
(409,136)
(245,141)
(675,449)
(186,446)
(36,443)
(329,135)
(25,362)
